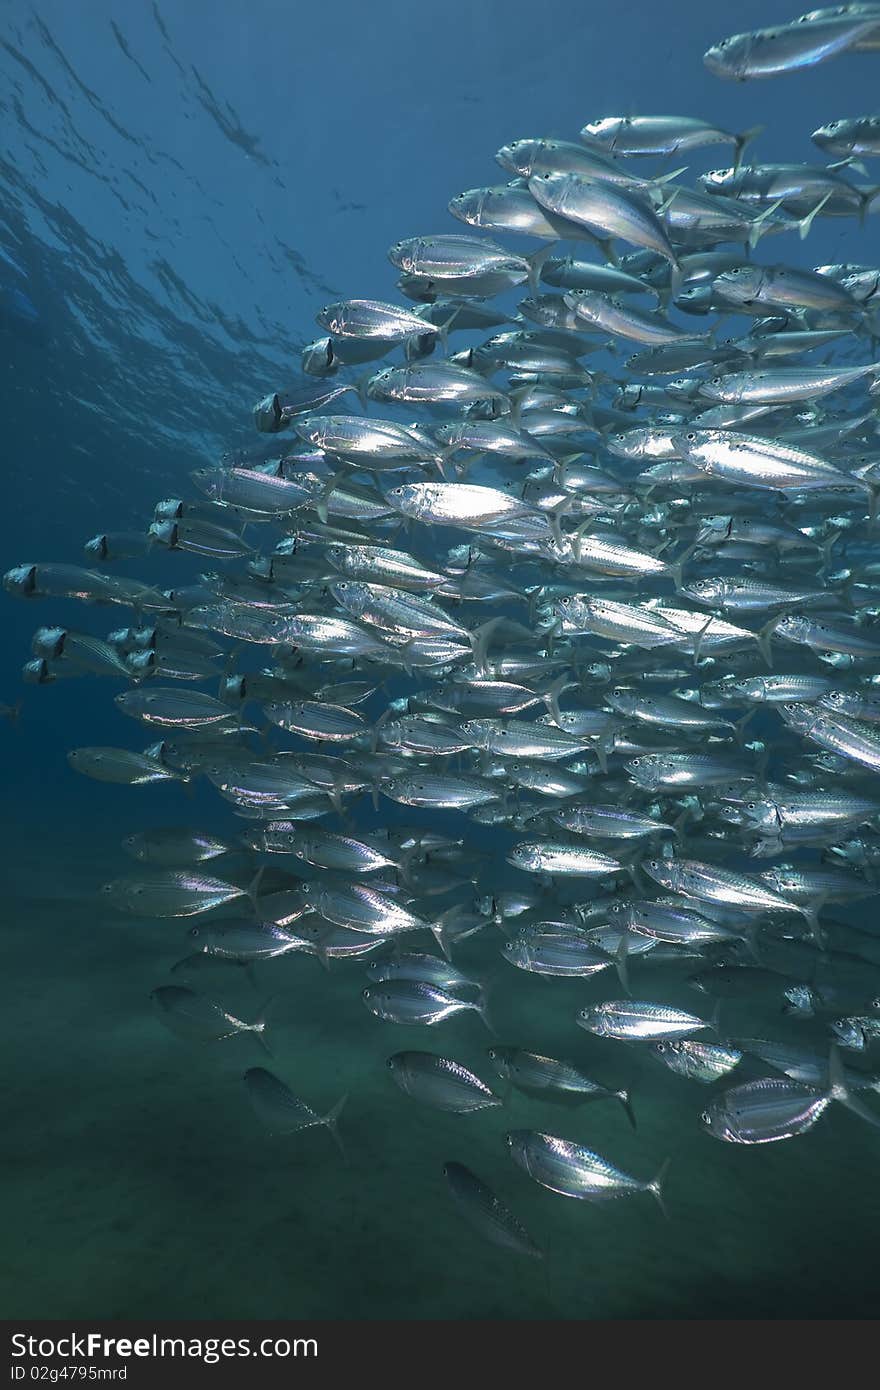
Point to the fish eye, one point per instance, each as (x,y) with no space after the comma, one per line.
(706,1117)
(661,1047)
(751,806)
(390,1062)
(691,437)
(195,931)
(365,994)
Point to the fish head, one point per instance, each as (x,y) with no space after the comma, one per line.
(848,1034)
(799,717)
(525,856)
(680,387)
(729,59)
(333,317)
(404,253)
(48,642)
(375,1000)
(22,580)
(842,701)
(139,662)
(517,1141)
(468,206)
(715,389)
(834,138)
(592,1019)
(760,815)
(397,1066)
(518,156)
(665,871)
(381,385)
(319,358)
(627,444)
(645,771)
(604,132)
(709,590)
(97,548)
(622,700)
(501,1059)
(408,498)
(739,285)
(717,180)
(717,1122)
(714,529)
(801,1001)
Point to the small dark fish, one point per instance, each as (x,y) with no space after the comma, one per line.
(194,1016)
(282,1112)
(486,1213)
(440,1082)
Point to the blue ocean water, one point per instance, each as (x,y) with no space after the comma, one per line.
(184,187)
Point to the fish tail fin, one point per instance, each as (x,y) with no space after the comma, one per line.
(253,887)
(481,1006)
(261,1023)
(839,1090)
(656,1188)
(624,1097)
(377,728)
(480,639)
(621,959)
(602,747)
(440,932)
(761,223)
(536,262)
(810,913)
(744,139)
(330,1122)
(698,644)
(866,198)
(555,517)
(805,223)
(676,566)
(828,547)
(360,386)
(764,640)
(742,724)
(551,697)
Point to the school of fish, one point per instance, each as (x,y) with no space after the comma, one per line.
(623,620)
